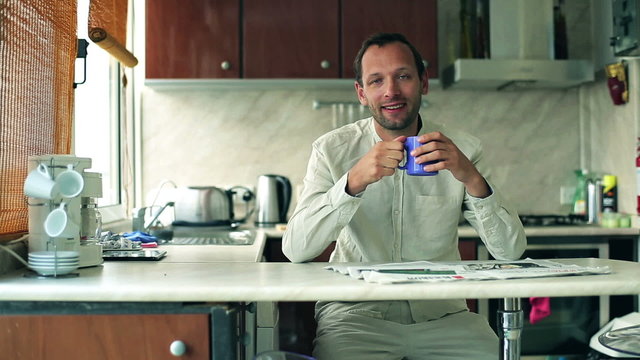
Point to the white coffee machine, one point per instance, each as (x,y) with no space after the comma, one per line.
(80,209)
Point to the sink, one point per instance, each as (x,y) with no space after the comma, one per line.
(205,235)
(192,244)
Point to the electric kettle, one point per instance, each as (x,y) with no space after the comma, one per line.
(273,195)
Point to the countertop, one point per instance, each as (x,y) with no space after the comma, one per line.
(571,230)
(235,281)
(467,231)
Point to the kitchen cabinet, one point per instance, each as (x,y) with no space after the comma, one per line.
(192,39)
(276,39)
(104,336)
(416,19)
(115,331)
(290,39)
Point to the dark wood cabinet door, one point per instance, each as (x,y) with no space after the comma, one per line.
(291,39)
(415,19)
(103,337)
(192,39)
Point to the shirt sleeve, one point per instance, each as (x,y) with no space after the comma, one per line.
(495,221)
(497,225)
(323,209)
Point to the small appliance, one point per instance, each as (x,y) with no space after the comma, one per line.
(272,200)
(209,206)
(80,209)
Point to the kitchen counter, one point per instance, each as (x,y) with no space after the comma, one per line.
(234,281)
(571,230)
(466,231)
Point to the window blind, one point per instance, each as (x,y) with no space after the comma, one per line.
(37,54)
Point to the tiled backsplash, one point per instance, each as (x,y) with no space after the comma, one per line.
(534,139)
(221,137)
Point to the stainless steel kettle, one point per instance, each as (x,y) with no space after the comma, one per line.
(273,195)
(208,206)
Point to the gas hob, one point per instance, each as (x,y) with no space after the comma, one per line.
(553,220)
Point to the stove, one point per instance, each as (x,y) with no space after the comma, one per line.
(553,220)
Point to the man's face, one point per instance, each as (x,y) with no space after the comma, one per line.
(391,86)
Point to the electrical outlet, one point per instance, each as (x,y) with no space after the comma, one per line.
(566,194)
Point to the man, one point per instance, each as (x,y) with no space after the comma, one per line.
(354,194)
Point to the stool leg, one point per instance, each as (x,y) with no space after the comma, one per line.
(510,322)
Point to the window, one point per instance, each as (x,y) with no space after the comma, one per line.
(97,120)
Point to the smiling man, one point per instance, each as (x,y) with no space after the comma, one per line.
(355,195)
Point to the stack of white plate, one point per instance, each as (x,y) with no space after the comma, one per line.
(53,262)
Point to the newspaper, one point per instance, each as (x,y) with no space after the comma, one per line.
(426,271)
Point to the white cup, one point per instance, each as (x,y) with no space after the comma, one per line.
(70,182)
(58,223)
(39,184)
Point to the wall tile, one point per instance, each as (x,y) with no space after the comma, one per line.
(222,138)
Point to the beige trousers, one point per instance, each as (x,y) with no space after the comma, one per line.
(349,335)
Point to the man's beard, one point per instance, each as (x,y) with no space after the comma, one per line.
(393,125)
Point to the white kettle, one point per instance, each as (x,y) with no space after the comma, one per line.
(273,195)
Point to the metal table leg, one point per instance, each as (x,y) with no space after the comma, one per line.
(510,322)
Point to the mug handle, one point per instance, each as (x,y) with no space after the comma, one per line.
(406,151)
(246,198)
(44,170)
(284,196)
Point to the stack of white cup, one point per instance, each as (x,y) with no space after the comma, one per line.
(66,185)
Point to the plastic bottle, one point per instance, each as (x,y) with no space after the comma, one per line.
(638,176)
(466,48)
(560,32)
(609,194)
(481,50)
(580,197)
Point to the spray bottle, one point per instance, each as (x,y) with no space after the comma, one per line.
(638,177)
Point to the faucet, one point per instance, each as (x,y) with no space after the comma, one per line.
(138,224)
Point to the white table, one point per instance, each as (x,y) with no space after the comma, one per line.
(246,282)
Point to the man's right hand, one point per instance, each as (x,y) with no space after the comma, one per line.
(382,160)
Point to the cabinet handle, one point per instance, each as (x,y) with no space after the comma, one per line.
(225,65)
(325,64)
(178,348)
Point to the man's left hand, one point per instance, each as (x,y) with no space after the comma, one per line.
(437,147)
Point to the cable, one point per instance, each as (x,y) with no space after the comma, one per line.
(7,249)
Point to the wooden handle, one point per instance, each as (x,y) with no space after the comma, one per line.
(113,47)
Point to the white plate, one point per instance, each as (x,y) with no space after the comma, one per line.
(59,262)
(53,254)
(61,270)
(52,266)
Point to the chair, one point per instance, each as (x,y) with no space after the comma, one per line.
(281,355)
(625,340)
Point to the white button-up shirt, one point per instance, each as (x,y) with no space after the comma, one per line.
(400,217)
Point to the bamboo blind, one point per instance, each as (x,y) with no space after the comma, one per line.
(37,54)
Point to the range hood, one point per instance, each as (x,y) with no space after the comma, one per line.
(522,53)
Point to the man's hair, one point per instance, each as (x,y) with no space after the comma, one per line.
(381,39)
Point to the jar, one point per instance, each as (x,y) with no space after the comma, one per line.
(91,223)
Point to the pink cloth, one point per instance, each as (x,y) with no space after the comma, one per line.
(540,308)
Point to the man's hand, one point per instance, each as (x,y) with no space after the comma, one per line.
(382,160)
(438,147)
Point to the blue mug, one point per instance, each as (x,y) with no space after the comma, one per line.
(410,165)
